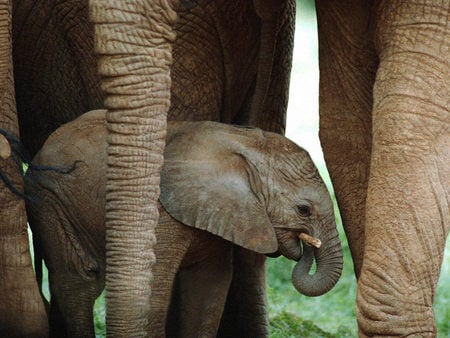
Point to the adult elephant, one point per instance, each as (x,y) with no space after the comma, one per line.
(243,78)
(213,75)
(385,131)
(133,43)
(22,311)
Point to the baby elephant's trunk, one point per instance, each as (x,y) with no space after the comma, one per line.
(328,266)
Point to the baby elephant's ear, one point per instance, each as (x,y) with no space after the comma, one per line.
(207,187)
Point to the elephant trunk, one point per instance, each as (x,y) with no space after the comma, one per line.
(133,40)
(328,266)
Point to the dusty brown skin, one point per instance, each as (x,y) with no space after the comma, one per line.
(384,127)
(22,312)
(214,71)
(219,49)
(385,136)
(5,148)
(138,101)
(254,189)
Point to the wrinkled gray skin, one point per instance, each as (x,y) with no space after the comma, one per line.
(249,189)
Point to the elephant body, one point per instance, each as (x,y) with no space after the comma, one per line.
(382,131)
(208,209)
(54,53)
(219,36)
(67,218)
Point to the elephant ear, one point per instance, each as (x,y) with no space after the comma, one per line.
(207,183)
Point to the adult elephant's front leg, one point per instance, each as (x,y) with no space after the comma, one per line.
(408,195)
(245,313)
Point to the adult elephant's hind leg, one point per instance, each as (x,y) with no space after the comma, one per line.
(347,72)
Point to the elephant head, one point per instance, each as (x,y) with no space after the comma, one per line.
(256,189)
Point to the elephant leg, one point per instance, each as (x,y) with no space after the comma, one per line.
(201,292)
(245,311)
(164,273)
(270,99)
(56,319)
(76,275)
(174,240)
(71,304)
(347,71)
(408,193)
(22,312)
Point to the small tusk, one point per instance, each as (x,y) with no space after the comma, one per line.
(5,148)
(315,242)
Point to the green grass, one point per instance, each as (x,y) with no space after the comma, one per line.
(442,298)
(99,316)
(289,325)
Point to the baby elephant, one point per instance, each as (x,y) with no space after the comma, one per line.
(222,187)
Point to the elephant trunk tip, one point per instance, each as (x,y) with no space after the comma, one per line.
(328,271)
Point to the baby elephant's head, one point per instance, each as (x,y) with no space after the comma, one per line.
(301,211)
(256,189)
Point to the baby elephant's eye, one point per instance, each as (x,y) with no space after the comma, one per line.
(304,210)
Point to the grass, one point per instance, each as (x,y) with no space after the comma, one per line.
(99,316)
(288,325)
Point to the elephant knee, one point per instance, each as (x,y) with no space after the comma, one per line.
(391,306)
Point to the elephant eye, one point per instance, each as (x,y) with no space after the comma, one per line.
(304,210)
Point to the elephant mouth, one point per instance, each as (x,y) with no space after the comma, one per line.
(291,243)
